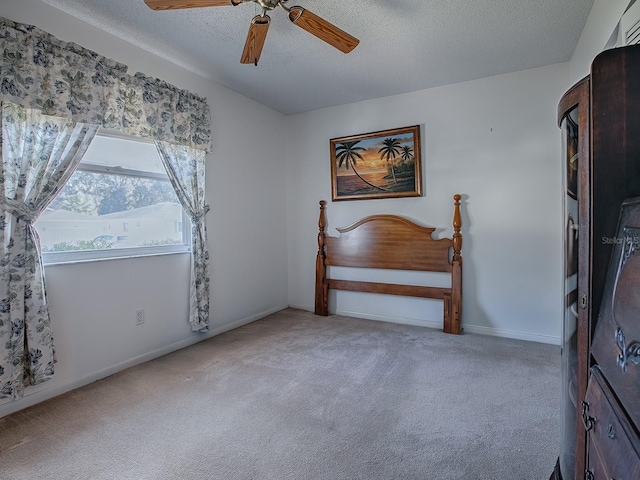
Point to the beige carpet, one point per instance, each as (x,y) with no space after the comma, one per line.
(295,396)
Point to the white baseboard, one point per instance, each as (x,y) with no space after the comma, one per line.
(516,335)
(384,318)
(494,332)
(40,393)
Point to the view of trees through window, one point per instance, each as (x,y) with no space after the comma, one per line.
(98,209)
(100,194)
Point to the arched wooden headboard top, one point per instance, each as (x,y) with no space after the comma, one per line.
(388,242)
(395,243)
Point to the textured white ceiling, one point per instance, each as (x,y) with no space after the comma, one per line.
(405,45)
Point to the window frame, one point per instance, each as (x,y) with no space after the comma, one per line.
(81,256)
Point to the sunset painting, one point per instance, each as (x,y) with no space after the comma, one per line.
(377,165)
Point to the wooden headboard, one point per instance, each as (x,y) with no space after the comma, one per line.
(395,243)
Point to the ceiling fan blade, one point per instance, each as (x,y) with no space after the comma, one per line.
(177,4)
(255,39)
(322,29)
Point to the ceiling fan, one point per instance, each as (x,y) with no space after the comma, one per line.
(299,16)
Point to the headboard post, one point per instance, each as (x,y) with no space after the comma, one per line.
(322,302)
(455,318)
(457,223)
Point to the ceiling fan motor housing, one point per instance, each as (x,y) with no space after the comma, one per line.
(269,4)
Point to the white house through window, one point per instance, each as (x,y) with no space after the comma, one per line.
(119,202)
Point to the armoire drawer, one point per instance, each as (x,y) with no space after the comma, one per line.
(613,443)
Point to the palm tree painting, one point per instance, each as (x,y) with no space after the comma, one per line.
(346,154)
(377,165)
(407,153)
(389,150)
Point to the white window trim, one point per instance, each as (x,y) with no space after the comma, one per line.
(83,256)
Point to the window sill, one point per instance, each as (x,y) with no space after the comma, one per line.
(69,258)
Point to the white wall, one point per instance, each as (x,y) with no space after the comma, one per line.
(92,305)
(493,140)
(601,24)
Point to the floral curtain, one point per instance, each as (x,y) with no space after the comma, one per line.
(185,168)
(39,153)
(54,95)
(63,79)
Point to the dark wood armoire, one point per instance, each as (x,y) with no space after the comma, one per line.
(600,122)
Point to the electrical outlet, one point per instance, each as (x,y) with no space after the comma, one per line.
(140,316)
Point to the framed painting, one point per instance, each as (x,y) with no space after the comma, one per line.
(385,164)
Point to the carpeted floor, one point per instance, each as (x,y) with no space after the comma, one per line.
(300,397)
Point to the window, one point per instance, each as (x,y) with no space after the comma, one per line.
(118,203)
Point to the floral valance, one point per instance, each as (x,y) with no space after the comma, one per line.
(37,70)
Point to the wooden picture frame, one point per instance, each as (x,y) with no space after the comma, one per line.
(384,164)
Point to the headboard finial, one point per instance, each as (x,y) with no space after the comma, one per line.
(457,224)
(322,223)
